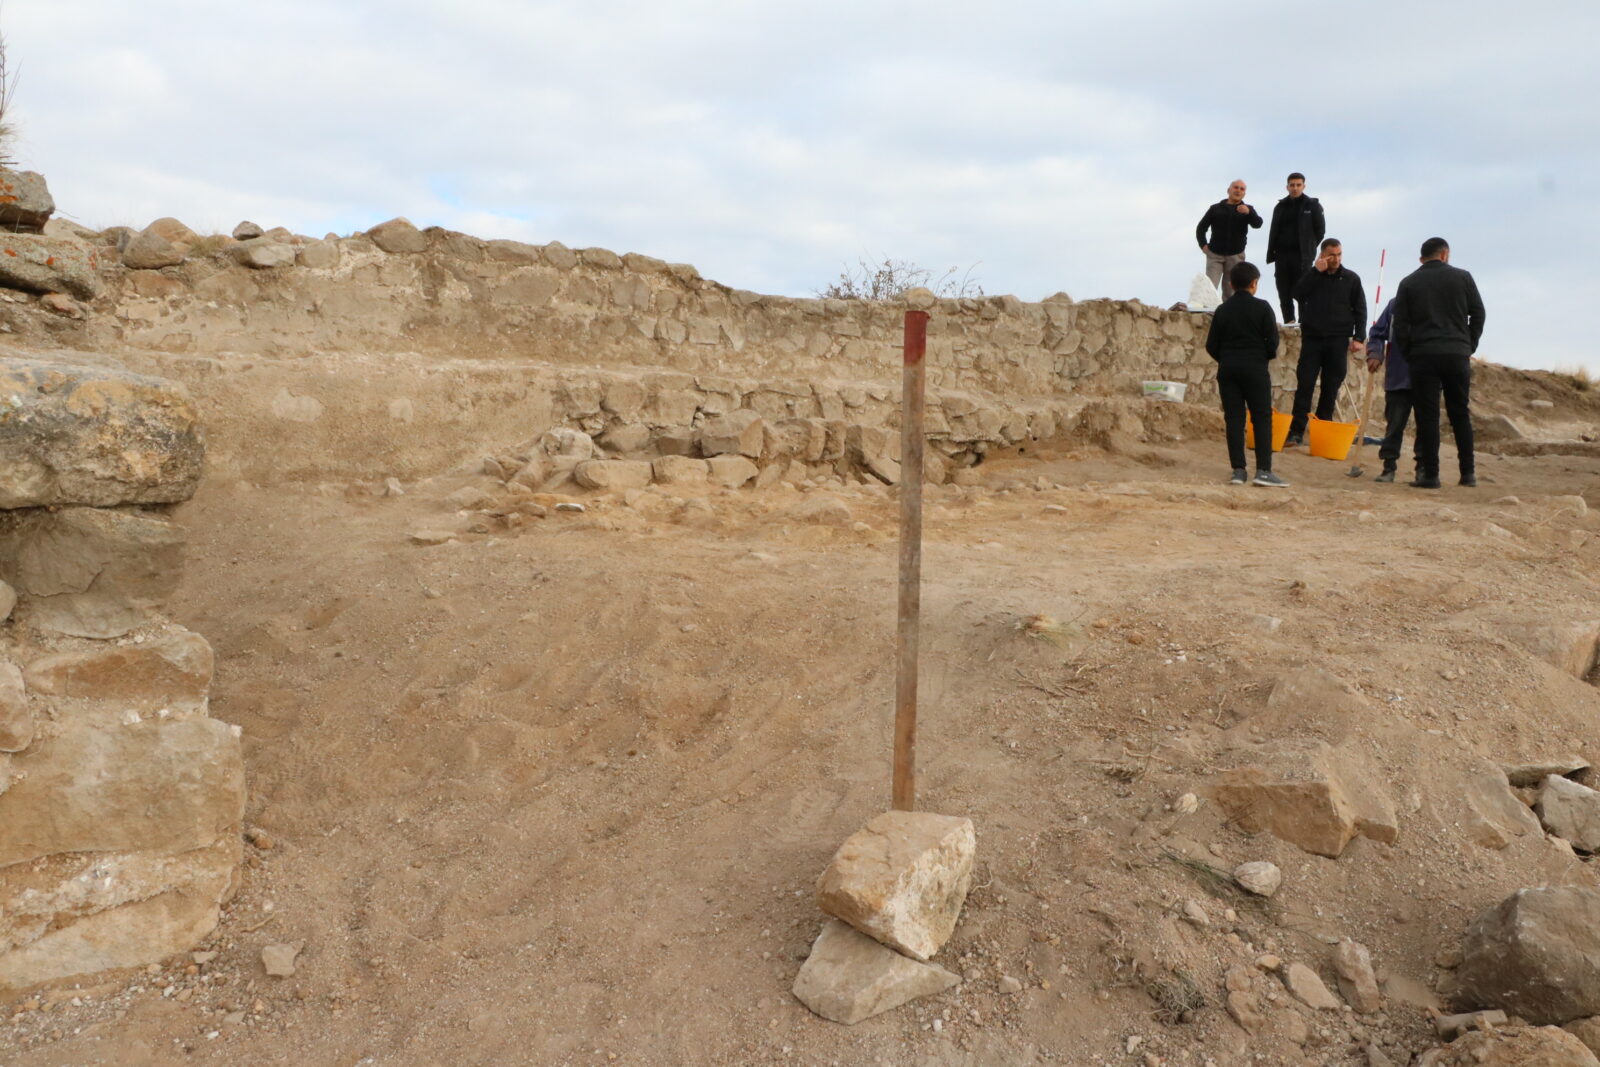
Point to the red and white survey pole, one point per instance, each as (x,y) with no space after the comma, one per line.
(1377,298)
(1372,375)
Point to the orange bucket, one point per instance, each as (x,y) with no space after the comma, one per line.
(1331,440)
(1280,431)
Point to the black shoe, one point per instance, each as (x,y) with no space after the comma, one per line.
(1469,480)
(1423,481)
(1386,477)
(1294,440)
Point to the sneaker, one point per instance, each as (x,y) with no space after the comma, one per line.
(1240,476)
(1469,480)
(1291,326)
(1423,481)
(1386,477)
(1294,440)
(1268,478)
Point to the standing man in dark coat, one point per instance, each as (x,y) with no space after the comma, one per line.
(1384,351)
(1333,324)
(1243,339)
(1438,320)
(1297,226)
(1229,222)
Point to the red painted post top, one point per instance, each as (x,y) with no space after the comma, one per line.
(916,337)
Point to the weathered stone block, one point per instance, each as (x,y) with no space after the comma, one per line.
(614,474)
(902,879)
(681,470)
(48,265)
(90,572)
(16,720)
(263,253)
(1318,799)
(850,977)
(1572,811)
(152,251)
(731,471)
(736,433)
(172,669)
(90,435)
(398,235)
(25,201)
(1536,954)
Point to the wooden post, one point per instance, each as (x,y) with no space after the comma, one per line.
(911,445)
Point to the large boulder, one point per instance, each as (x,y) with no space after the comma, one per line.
(902,879)
(25,201)
(95,436)
(1543,1046)
(398,235)
(89,572)
(152,251)
(1535,955)
(849,976)
(49,265)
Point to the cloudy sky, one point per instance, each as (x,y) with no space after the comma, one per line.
(1045,146)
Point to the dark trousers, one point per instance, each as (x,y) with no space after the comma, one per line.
(1325,359)
(1247,387)
(1287,270)
(1396,414)
(1452,377)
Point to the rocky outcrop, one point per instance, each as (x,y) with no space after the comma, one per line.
(96,436)
(1319,798)
(48,265)
(25,201)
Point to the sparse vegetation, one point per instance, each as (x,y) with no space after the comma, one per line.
(890,279)
(1580,378)
(209,244)
(7,85)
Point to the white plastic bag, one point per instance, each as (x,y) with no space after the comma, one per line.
(1203,296)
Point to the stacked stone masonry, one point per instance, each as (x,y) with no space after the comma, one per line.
(120,798)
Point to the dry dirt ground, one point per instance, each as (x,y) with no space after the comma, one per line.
(559,793)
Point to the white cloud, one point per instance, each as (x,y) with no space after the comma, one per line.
(1061,146)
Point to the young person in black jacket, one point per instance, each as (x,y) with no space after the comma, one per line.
(1243,339)
(1297,226)
(1333,324)
(1229,223)
(1438,320)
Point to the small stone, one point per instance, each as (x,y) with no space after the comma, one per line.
(246,230)
(468,498)
(1258,877)
(431,537)
(202,958)
(1308,988)
(279,960)
(1268,962)
(233,1018)
(1266,623)
(1195,913)
(1541,405)
(1352,962)
(8,600)
(260,839)
(849,977)
(1009,985)
(1245,1009)
(569,506)
(392,487)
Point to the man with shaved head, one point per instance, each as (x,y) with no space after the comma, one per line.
(1222,233)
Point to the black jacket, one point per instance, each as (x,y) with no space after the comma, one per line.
(1438,312)
(1297,222)
(1243,330)
(1227,228)
(1332,304)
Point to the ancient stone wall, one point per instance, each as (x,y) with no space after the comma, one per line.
(120,798)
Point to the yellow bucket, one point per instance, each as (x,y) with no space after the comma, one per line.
(1280,431)
(1331,440)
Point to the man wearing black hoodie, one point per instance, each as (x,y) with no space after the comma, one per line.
(1333,310)
(1243,339)
(1438,320)
(1297,226)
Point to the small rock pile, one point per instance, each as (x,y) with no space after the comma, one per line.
(894,891)
(120,798)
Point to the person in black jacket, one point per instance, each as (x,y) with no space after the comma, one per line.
(1297,226)
(1333,324)
(1243,339)
(1438,320)
(1229,222)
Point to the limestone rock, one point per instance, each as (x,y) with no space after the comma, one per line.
(731,471)
(16,720)
(680,470)
(820,511)
(279,960)
(1544,1046)
(151,251)
(398,235)
(318,255)
(166,787)
(1571,811)
(850,977)
(676,442)
(246,230)
(567,442)
(736,433)
(1308,988)
(1587,1031)
(1530,774)
(1494,816)
(48,265)
(173,669)
(91,435)
(8,600)
(1536,955)
(626,437)
(25,201)
(874,450)
(902,879)
(613,474)
(1358,982)
(1318,799)
(1258,877)
(1569,646)
(90,572)
(78,913)
(263,253)
(172,230)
